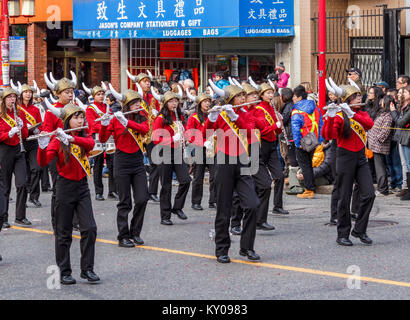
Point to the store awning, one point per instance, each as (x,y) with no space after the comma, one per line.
(130,19)
(100,44)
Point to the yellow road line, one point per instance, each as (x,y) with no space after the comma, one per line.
(255,264)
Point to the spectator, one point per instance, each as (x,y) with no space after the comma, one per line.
(331,98)
(306,117)
(375,94)
(187,84)
(393,162)
(355,74)
(189,106)
(379,138)
(402,120)
(393,93)
(402,82)
(220,80)
(382,85)
(283,77)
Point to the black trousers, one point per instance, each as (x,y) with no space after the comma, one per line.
(154,173)
(3,202)
(33,170)
(351,167)
(270,159)
(198,181)
(13,161)
(130,173)
(228,178)
(45,178)
(292,154)
(54,175)
(74,196)
(305,163)
(382,174)
(98,175)
(184,180)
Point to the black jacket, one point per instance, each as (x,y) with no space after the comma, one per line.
(402,120)
(287,114)
(325,169)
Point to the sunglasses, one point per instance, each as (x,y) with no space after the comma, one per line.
(351,74)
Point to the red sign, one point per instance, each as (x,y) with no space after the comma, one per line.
(171,49)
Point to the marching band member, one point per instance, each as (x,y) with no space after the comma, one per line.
(72,193)
(262,178)
(172,145)
(13,128)
(65,92)
(33,118)
(195,126)
(94,111)
(349,128)
(129,171)
(144,81)
(269,154)
(229,176)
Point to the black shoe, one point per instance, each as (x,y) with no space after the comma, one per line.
(90,276)
(138,241)
(6,225)
(113,196)
(99,197)
(237,231)
(1,258)
(265,226)
(47,190)
(212,205)
(197,207)
(76,227)
(154,198)
(35,202)
(166,222)
(354,216)
(252,255)
(280,211)
(179,213)
(126,243)
(23,222)
(333,222)
(363,237)
(344,242)
(67,280)
(223,259)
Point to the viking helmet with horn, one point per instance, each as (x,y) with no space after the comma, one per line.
(8,91)
(139,77)
(61,85)
(199,98)
(130,95)
(344,92)
(26,87)
(92,92)
(228,93)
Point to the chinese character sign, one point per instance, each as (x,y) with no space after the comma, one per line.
(104,19)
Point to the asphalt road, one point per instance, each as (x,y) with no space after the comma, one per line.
(300,259)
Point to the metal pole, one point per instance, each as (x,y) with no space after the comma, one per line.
(322,53)
(4,58)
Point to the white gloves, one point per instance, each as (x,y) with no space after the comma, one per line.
(155,112)
(279,124)
(43,142)
(332,110)
(36,131)
(214,113)
(346,108)
(106,121)
(229,111)
(121,118)
(64,137)
(208,144)
(176,137)
(13,131)
(19,122)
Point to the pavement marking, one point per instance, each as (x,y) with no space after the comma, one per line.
(255,264)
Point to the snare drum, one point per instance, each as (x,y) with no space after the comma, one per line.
(110,148)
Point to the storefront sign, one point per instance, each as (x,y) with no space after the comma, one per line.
(17,50)
(110,19)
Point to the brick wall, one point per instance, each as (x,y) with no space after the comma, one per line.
(115,64)
(37,57)
(96,73)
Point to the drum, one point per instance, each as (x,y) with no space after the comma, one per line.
(110,148)
(98,147)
